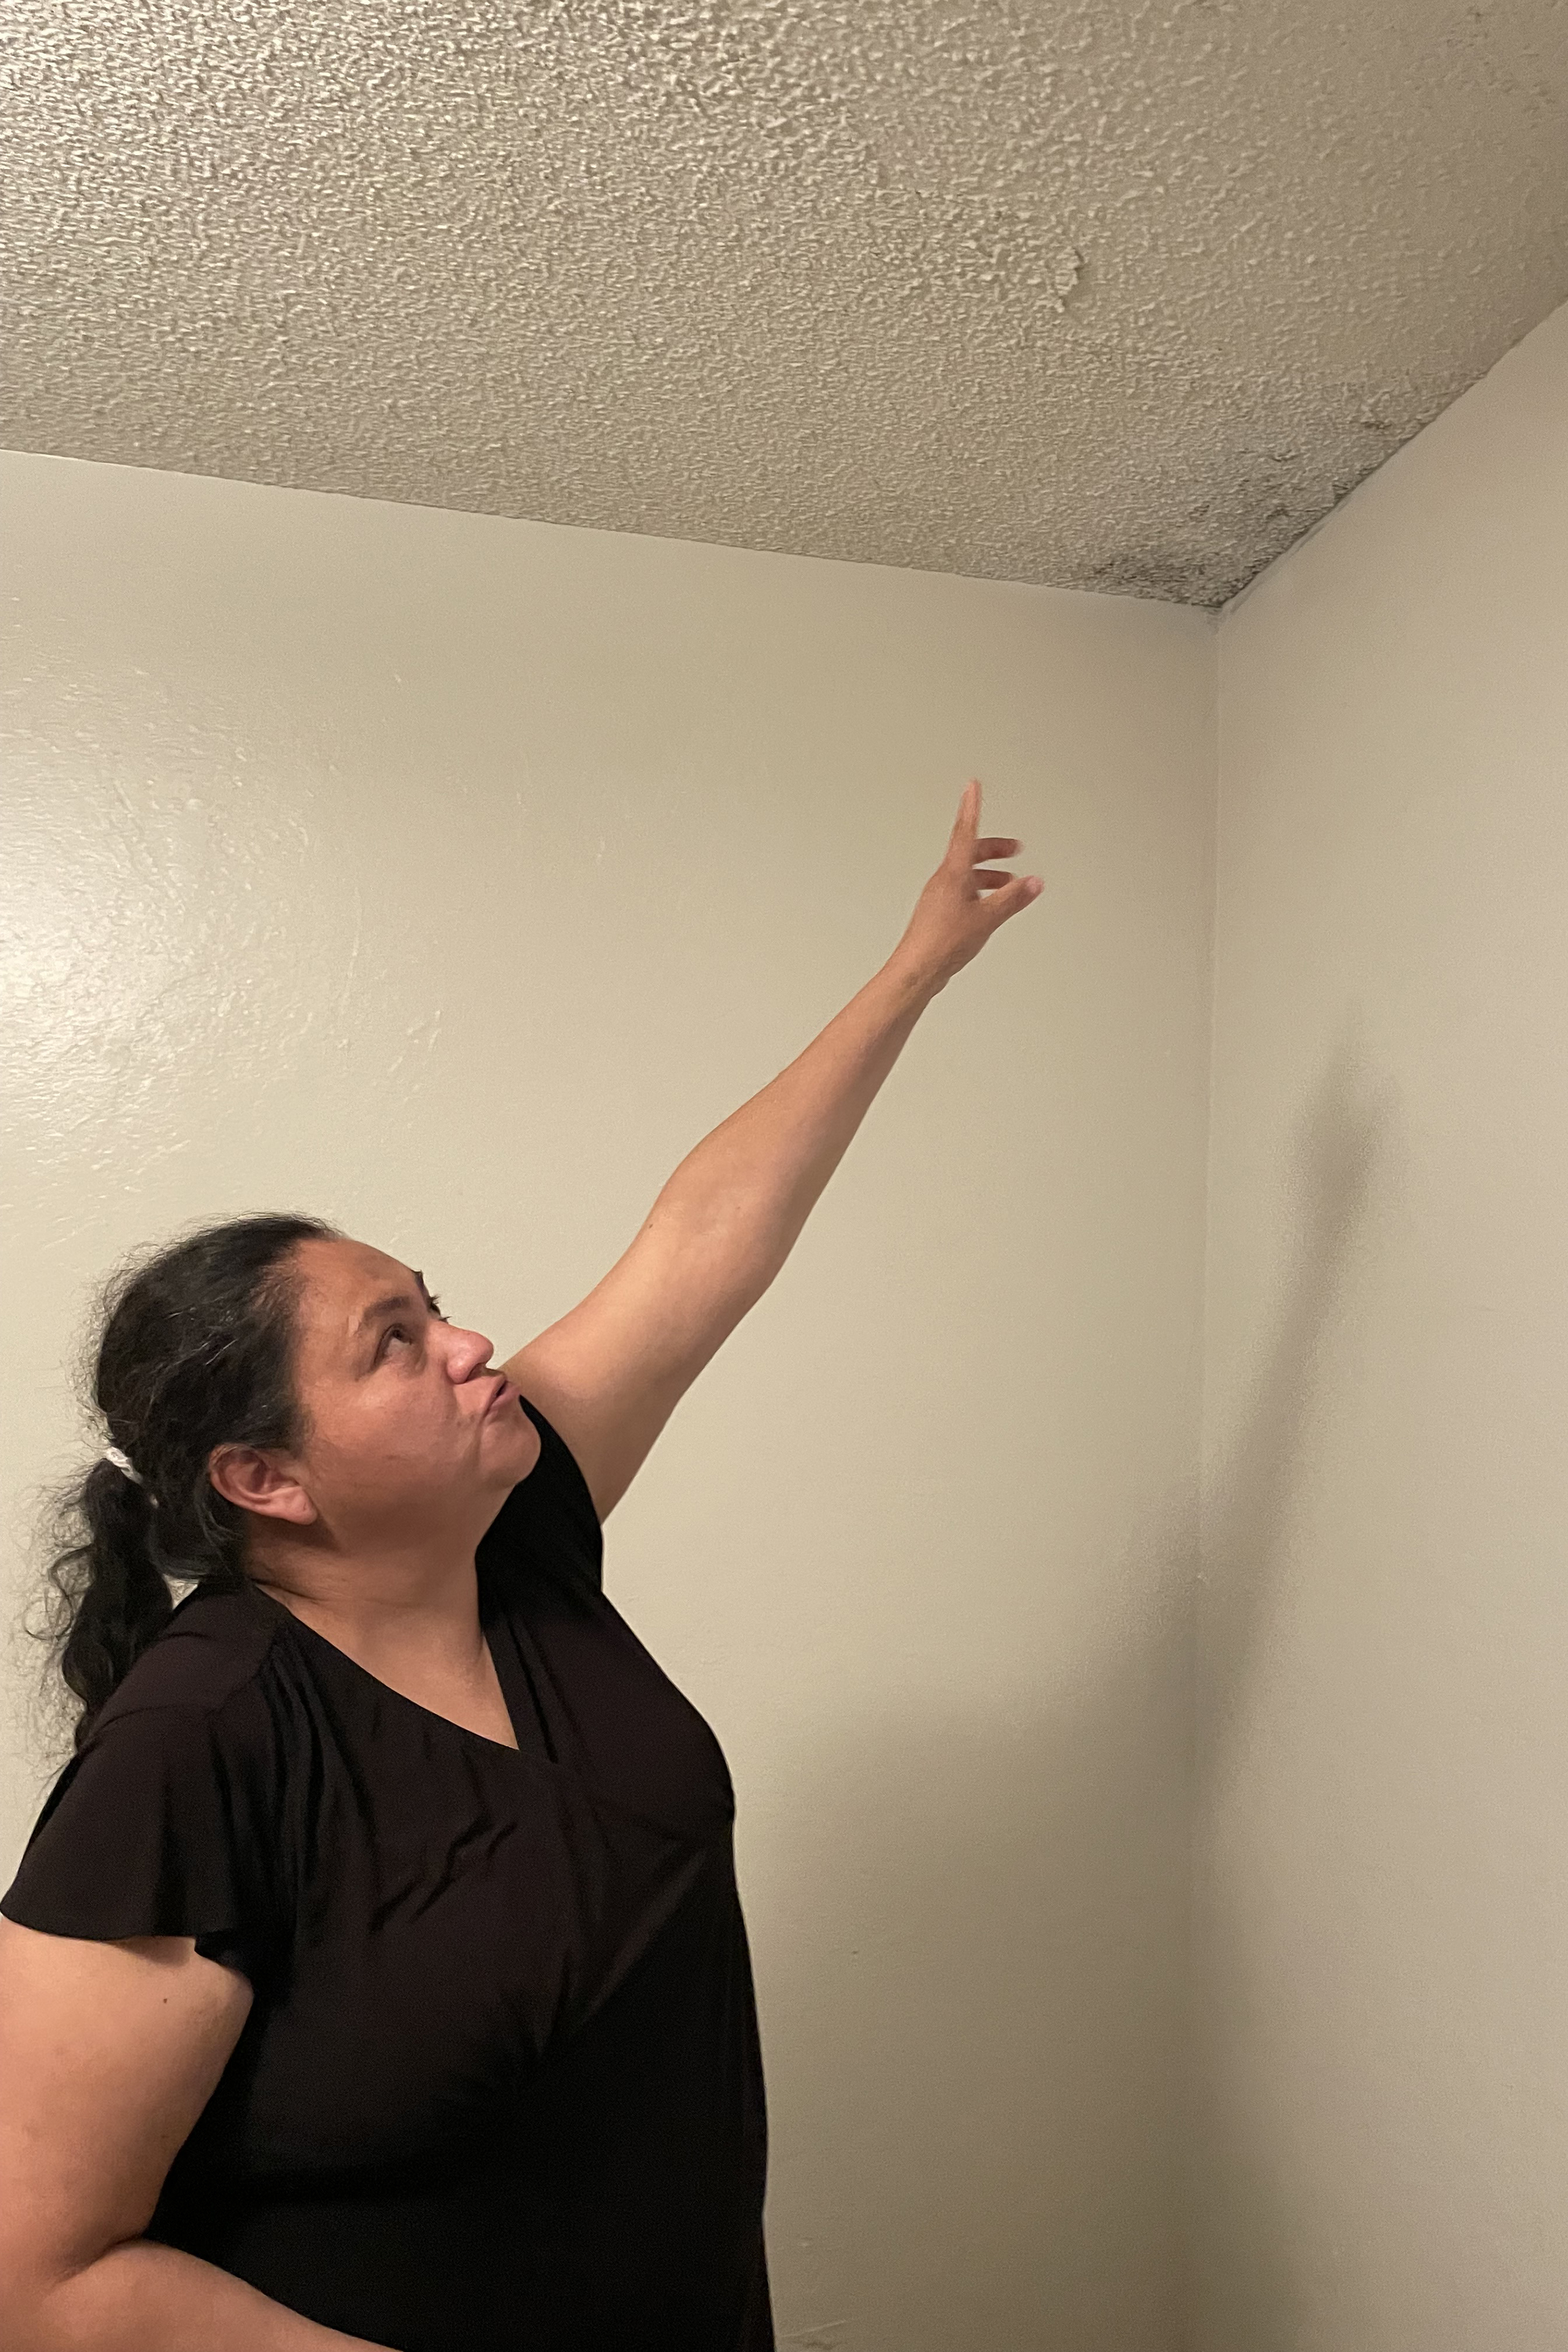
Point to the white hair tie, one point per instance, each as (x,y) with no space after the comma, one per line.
(121,1461)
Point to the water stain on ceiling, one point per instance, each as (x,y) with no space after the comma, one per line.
(1121,295)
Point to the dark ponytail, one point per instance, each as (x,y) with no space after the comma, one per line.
(192,1348)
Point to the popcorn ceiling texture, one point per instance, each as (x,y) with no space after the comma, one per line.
(1110,295)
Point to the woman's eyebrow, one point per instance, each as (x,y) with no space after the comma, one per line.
(397,1303)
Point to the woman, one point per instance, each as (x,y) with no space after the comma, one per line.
(375,1972)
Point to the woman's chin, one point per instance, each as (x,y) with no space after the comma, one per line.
(524,1439)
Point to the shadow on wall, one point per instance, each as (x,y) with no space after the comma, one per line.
(1000,2151)
(983,2057)
(1249,2299)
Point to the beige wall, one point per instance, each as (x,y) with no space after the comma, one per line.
(1381,2056)
(452,877)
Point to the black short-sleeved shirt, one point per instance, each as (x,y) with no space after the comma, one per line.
(500,2086)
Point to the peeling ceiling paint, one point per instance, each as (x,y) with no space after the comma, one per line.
(1121,295)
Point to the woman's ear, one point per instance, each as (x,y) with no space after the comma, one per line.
(245,1475)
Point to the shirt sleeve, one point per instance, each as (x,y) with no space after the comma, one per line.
(548,1520)
(163,1825)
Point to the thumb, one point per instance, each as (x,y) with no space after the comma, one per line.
(1013,897)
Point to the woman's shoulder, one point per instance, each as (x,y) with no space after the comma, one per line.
(546,1522)
(206,1658)
(168,1820)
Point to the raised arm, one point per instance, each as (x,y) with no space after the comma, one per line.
(609,1374)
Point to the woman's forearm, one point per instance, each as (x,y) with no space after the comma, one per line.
(143,2296)
(747,1188)
(755,1179)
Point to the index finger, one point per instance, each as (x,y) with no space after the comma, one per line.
(968,815)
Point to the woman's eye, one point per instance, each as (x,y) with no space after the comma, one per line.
(401,1330)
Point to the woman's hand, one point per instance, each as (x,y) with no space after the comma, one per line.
(962,903)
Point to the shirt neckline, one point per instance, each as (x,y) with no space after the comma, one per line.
(281,1610)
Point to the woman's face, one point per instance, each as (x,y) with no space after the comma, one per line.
(413,1433)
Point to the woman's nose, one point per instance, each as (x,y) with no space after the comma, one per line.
(475,1350)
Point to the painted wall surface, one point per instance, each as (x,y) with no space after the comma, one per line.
(1381,2058)
(452,877)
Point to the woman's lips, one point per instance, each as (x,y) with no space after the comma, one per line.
(503,1395)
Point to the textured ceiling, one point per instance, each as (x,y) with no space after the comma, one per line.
(1119,294)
